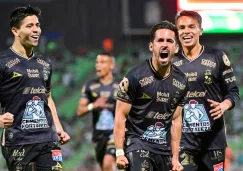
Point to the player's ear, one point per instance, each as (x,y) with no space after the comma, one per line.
(177,48)
(201,30)
(14,31)
(151,46)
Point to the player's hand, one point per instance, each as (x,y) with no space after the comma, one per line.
(6,120)
(218,109)
(176,165)
(100,102)
(63,137)
(121,162)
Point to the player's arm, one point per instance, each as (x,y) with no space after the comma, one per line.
(64,137)
(230,90)
(122,110)
(176,137)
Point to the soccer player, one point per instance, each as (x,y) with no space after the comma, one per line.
(99,97)
(30,140)
(149,106)
(212,91)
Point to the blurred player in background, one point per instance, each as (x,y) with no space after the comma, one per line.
(99,97)
(212,91)
(30,140)
(149,107)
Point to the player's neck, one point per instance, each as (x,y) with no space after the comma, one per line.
(106,79)
(193,52)
(26,52)
(162,71)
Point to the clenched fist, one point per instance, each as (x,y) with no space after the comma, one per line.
(6,120)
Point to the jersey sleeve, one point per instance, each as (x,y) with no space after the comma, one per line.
(127,88)
(227,78)
(1,71)
(48,70)
(183,98)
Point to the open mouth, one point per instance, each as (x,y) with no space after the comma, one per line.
(35,37)
(163,55)
(187,38)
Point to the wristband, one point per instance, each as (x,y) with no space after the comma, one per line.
(90,106)
(119,152)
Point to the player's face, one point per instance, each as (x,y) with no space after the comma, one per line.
(188,31)
(104,65)
(29,32)
(163,47)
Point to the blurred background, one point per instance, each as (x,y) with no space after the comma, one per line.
(74,31)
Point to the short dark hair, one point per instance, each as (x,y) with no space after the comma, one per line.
(192,14)
(19,13)
(163,25)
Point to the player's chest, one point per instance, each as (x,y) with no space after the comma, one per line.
(27,70)
(108,92)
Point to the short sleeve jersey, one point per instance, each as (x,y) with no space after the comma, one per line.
(154,100)
(24,84)
(103,118)
(210,76)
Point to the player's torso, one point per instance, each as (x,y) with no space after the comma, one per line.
(103,118)
(156,100)
(23,93)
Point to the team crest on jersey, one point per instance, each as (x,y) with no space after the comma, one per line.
(155,133)
(226,60)
(195,118)
(56,155)
(34,115)
(218,167)
(208,77)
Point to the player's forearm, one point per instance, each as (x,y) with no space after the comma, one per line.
(119,131)
(175,137)
(227,104)
(51,105)
(83,110)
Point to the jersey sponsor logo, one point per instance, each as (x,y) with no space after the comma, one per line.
(12,62)
(33,73)
(18,155)
(208,63)
(195,118)
(162,97)
(226,60)
(124,85)
(146,80)
(192,76)
(105,94)
(217,155)
(32,90)
(16,74)
(178,63)
(218,167)
(42,62)
(46,72)
(157,115)
(94,86)
(145,96)
(228,71)
(191,94)
(145,165)
(155,133)
(207,77)
(57,167)
(178,84)
(230,80)
(105,121)
(34,115)
(56,155)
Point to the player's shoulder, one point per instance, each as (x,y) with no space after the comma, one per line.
(41,58)
(6,54)
(213,51)
(178,56)
(177,71)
